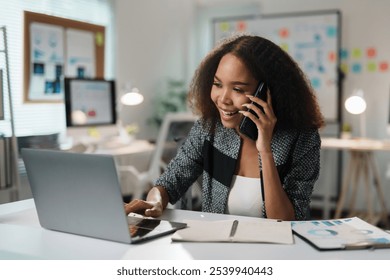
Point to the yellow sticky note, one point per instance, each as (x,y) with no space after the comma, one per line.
(99,39)
(224,26)
(371,66)
(344,67)
(284,46)
(356,53)
(93,132)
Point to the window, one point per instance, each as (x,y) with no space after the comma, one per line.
(46,118)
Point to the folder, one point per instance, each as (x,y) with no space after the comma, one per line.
(341,234)
(249,231)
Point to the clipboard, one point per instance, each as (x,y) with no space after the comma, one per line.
(341,234)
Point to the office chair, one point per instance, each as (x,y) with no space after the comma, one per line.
(144,180)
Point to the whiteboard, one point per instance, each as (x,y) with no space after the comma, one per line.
(1,96)
(312,39)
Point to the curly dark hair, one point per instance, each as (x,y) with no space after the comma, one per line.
(293,99)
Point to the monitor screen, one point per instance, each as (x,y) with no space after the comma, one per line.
(89,102)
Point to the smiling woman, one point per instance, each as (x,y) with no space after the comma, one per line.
(232,82)
(270,176)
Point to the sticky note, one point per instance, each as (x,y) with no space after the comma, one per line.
(99,39)
(371,52)
(356,68)
(343,54)
(241,26)
(224,26)
(371,66)
(383,66)
(332,56)
(315,82)
(331,31)
(356,53)
(284,32)
(344,67)
(284,46)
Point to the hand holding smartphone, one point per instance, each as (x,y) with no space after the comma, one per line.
(247,126)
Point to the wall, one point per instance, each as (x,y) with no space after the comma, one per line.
(161,39)
(152,46)
(158,40)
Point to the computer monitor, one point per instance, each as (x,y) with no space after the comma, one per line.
(90,102)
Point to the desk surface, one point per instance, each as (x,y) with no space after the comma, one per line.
(21,237)
(360,144)
(117,148)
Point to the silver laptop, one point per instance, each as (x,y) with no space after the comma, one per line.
(80,194)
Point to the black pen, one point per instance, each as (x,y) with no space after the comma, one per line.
(233,230)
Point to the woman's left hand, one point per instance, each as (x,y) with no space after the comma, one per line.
(265,123)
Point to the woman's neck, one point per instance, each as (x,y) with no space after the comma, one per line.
(248,161)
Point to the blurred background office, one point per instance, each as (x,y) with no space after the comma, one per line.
(155,46)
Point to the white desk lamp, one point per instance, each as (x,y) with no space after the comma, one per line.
(131,97)
(356,105)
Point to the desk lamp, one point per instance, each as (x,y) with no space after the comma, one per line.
(131,97)
(356,105)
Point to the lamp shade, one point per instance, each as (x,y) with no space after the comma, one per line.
(356,104)
(132,98)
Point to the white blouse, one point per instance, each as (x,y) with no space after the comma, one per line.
(245,197)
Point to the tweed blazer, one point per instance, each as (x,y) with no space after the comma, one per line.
(214,156)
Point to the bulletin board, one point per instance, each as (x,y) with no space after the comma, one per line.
(312,39)
(56,47)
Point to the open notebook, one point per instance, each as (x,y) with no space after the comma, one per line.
(256,230)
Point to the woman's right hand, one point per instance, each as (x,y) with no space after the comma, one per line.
(154,205)
(146,208)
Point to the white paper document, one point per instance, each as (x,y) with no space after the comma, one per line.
(339,234)
(259,231)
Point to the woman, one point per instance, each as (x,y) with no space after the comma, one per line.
(271,177)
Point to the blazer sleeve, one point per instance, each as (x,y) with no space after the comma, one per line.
(303,173)
(186,166)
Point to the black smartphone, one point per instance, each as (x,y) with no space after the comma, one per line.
(247,126)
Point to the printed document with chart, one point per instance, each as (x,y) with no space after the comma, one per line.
(340,234)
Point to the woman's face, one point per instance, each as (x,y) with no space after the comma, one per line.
(232,82)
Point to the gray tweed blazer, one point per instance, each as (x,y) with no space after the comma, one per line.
(214,156)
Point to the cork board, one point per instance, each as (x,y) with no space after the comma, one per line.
(55,48)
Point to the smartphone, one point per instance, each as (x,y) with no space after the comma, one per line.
(247,126)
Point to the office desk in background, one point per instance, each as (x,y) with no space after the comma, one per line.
(22,237)
(136,153)
(361,165)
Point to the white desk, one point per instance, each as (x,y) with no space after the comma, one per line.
(21,237)
(136,153)
(361,166)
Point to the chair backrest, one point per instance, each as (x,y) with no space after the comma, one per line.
(169,119)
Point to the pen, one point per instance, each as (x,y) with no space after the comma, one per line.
(234,229)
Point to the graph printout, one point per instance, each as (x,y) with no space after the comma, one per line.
(341,233)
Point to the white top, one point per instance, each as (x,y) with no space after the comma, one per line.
(245,197)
